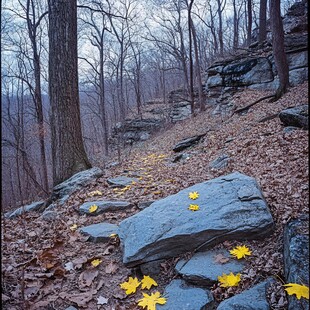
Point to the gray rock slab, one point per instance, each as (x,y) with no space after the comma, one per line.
(144,204)
(104,206)
(232,207)
(297,116)
(35,206)
(99,232)
(181,296)
(49,216)
(251,299)
(203,269)
(77,181)
(296,258)
(183,144)
(120,181)
(220,162)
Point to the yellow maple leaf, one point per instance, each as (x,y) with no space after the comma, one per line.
(297,289)
(130,286)
(73,227)
(92,208)
(240,251)
(147,282)
(150,301)
(113,235)
(229,280)
(193,195)
(95,193)
(96,262)
(193,207)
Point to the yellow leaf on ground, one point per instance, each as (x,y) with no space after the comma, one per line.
(240,251)
(229,280)
(193,207)
(73,227)
(92,208)
(95,193)
(150,301)
(96,262)
(297,289)
(130,286)
(147,282)
(193,195)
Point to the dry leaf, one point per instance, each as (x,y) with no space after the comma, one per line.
(81,299)
(130,286)
(69,266)
(220,258)
(102,300)
(150,301)
(111,268)
(297,289)
(147,282)
(87,277)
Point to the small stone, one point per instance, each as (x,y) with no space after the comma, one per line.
(100,232)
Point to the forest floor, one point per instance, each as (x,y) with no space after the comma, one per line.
(36,253)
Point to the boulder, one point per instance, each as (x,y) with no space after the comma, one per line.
(180,111)
(62,191)
(232,207)
(297,116)
(188,142)
(186,297)
(251,299)
(120,181)
(104,206)
(204,267)
(296,258)
(99,232)
(35,206)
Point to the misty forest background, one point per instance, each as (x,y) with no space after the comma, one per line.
(130,52)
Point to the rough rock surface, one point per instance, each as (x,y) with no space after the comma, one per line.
(35,206)
(204,268)
(220,162)
(180,111)
(62,191)
(120,181)
(99,232)
(231,207)
(296,258)
(188,142)
(182,296)
(251,299)
(104,206)
(297,116)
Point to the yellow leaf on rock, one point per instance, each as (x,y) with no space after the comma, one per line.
(147,282)
(130,286)
(229,280)
(95,193)
(92,208)
(150,301)
(193,195)
(297,289)
(193,207)
(240,251)
(96,262)
(73,227)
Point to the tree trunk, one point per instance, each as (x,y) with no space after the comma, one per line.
(191,78)
(250,20)
(262,21)
(278,47)
(68,153)
(219,12)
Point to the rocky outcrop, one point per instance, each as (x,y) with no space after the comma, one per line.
(35,206)
(186,143)
(296,258)
(231,207)
(296,117)
(255,68)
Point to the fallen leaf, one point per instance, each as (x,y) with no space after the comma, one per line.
(87,277)
(130,286)
(73,227)
(102,300)
(193,207)
(193,195)
(220,258)
(96,262)
(297,289)
(229,280)
(69,266)
(92,208)
(240,251)
(81,299)
(150,301)
(111,268)
(148,282)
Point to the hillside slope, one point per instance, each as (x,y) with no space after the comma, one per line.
(35,252)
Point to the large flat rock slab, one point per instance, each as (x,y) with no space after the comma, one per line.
(186,143)
(186,297)
(204,267)
(120,181)
(104,206)
(35,206)
(296,258)
(251,299)
(232,207)
(100,232)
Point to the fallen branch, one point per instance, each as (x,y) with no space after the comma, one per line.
(251,104)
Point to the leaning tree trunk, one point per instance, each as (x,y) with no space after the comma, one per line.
(278,47)
(69,156)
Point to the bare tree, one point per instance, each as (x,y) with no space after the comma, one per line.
(262,34)
(250,21)
(68,153)
(278,47)
(220,8)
